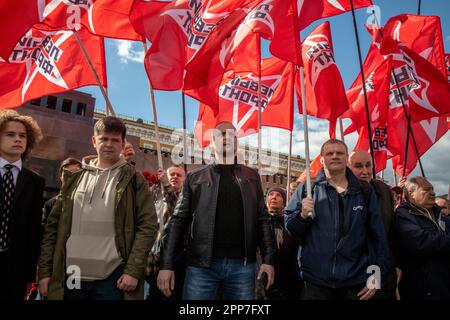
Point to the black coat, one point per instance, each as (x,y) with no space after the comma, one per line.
(424,253)
(195,214)
(25,228)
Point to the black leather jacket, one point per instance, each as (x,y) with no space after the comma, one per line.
(196,211)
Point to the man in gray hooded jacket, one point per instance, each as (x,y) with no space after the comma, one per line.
(99,232)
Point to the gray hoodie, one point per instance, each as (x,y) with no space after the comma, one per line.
(91,245)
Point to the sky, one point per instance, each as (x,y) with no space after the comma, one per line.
(129,91)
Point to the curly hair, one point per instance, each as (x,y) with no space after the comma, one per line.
(34,133)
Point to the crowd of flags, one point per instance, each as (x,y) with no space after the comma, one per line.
(211,50)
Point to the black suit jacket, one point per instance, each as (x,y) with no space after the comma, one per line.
(25,228)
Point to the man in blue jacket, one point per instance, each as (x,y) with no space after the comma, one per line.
(340,230)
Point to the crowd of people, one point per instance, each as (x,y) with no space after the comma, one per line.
(113,233)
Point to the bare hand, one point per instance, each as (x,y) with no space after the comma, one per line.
(43,286)
(269,271)
(307,207)
(402,182)
(399,275)
(127,283)
(366,293)
(166,282)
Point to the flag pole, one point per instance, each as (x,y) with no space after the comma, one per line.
(288,187)
(305,134)
(259,111)
(155,116)
(408,118)
(363,78)
(395,176)
(109,108)
(185,149)
(418,9)
(341,129)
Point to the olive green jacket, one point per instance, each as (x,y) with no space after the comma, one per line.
(135,226)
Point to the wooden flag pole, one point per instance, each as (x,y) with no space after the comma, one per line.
(155,118)
(109,108)
(185,149)
(288,187)
(306,136)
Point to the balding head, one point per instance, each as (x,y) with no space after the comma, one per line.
(360,162)
(224,142)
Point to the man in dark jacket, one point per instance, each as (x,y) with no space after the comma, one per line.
(20,205)
(340,230)
(222,207)
(360,162)
(424,244)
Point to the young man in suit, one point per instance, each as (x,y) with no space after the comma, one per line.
(21,203)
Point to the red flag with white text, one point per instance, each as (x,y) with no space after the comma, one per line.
(238,101)
(325,93)
(48,62)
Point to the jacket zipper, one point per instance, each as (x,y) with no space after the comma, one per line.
(245,227)
(422,215)
(336,225)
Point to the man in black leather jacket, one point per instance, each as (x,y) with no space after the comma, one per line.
(222,209)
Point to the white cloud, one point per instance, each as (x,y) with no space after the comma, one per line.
(126,52)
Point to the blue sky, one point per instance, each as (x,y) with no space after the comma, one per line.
(128,84)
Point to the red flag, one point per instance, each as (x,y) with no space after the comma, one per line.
(424,89)
(47,62)
(111,18)
(277,20)
(378,90)
(426,132)
(312,10)
(202,80)
(314,168)
(238,101)
(177,31)
(16,18)
(325,93)
(421,34)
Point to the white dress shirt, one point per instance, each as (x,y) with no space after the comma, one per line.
(15,171)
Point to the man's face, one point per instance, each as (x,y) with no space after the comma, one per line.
(13,140)
(334,157)
(275,202)
(128,152)
(361,165)
(176,178)
(443,203)
(424,195)
(109,145)
(225,140)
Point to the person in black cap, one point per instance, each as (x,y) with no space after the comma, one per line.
(287,283)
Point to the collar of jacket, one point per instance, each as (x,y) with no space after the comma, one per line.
(218,167)
(353,183)
(71,179)
(412,209)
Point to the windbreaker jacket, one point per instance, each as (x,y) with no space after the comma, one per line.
(326,260)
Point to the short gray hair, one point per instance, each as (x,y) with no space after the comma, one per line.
(412,184)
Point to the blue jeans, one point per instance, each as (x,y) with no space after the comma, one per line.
(236,279)
(97,290)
